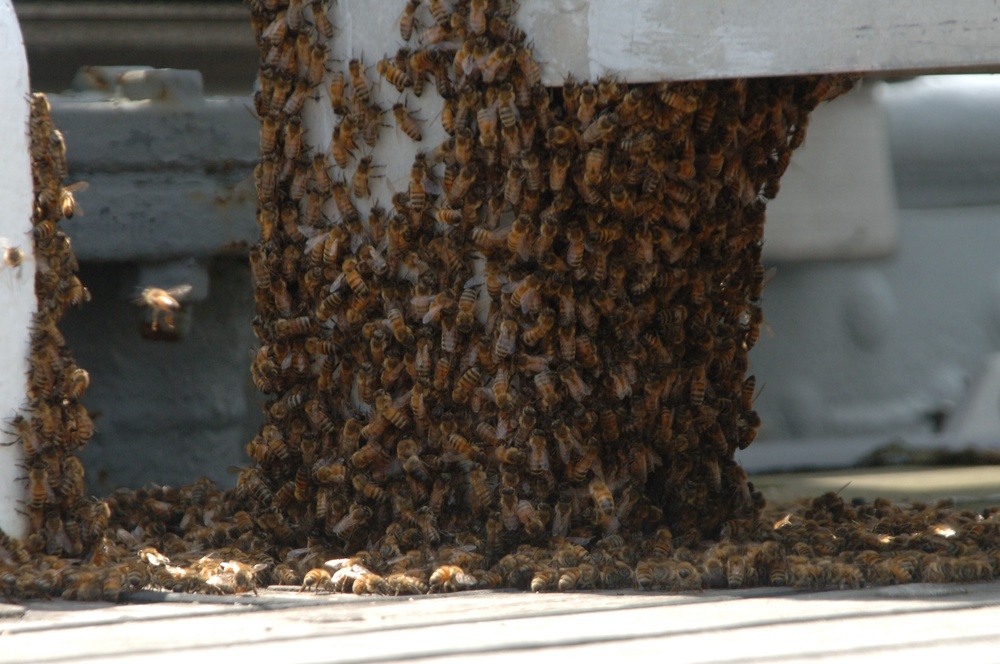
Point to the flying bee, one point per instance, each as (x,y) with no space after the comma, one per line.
(13,257)
(163,302)
(67,204)
(406,122)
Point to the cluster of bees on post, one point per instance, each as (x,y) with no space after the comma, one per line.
(527,370)
(52,425)
(543,335)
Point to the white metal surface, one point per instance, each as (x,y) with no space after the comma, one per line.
(17,284)
(837,198)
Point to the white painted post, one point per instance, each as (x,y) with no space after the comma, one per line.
(17,283)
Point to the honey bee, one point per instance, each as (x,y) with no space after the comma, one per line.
(427,523)
(508,32)
(466,383)
(406,122)
(359,81)
(76,383)
(13,257)
(512,187)
(396,76)
(496,63)
(329,473)
(587,106)
(317,579)
(418,173)
(39,490)
(67,203)
(463,182)
(528,516)
(467,308)
(525,294)
(450,578)
(408,19)
(349,269)
(526,62)
(385,406)
(163,303)
(479,490)
(486,120)
(699,385)
(601,128)
(355,517)
(534,334)
(360,182)
(577,470)
(369,489)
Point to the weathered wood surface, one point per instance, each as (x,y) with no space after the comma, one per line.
(754,625)
(653,40)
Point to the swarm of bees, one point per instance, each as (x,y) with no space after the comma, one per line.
(53,424)
(546,335)
(528,372)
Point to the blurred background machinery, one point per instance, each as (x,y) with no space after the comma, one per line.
(883,311)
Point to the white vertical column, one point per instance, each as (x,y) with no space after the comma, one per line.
(17,282)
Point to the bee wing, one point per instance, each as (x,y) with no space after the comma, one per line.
(178,292)
(477,280)
(83,185)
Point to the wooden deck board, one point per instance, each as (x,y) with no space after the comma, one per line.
(719,626)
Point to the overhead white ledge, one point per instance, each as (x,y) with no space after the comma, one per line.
(656,40)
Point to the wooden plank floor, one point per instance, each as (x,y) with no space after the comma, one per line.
(754,625)
(922,621)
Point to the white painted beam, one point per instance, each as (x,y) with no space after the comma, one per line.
(17,283)
(656,40)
